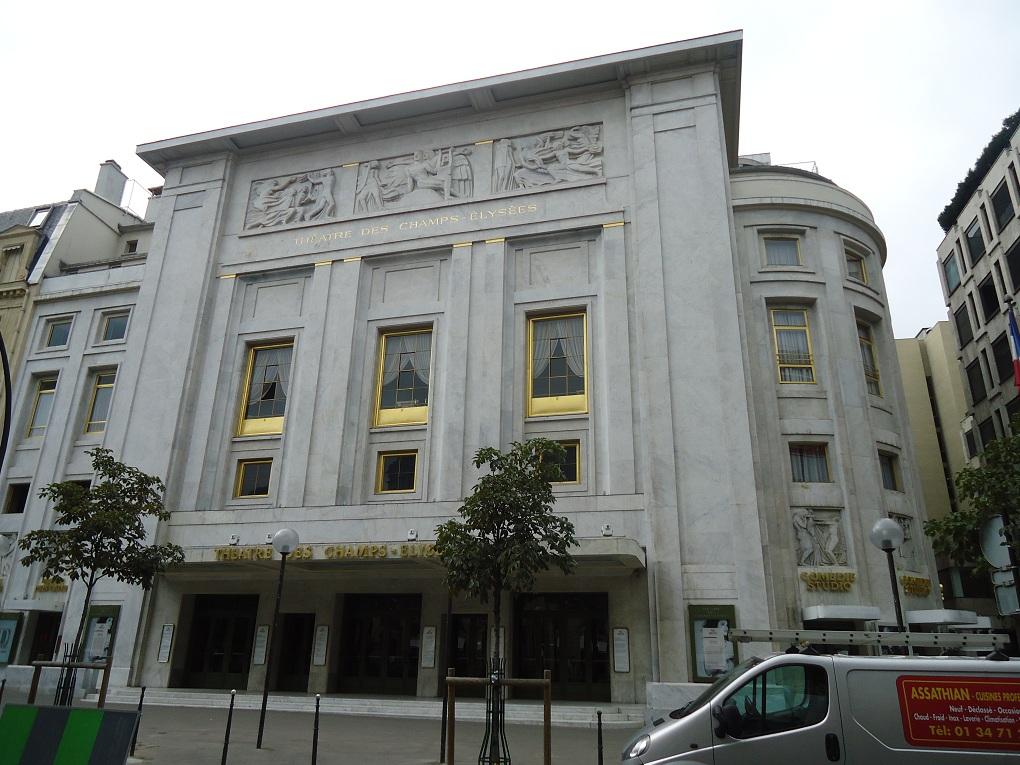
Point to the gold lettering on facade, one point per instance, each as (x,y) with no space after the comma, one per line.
(263,552)
(51,584)
(830,581)
(918,586)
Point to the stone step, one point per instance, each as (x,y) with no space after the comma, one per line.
(571,714)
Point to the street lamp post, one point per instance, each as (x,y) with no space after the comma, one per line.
(284,542)
(887,535)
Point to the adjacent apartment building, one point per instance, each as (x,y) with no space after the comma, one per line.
(338,308)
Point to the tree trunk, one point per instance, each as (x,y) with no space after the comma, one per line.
(77,645)
(495,754)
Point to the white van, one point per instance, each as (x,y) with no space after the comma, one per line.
(801,708)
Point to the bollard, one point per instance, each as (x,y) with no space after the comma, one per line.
(599,713)
(226,735)
(315,732)
(138,722)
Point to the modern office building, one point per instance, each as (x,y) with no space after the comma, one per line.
(338,308)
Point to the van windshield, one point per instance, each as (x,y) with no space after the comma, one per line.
(711,690)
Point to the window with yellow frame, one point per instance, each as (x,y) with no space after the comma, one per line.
(557,364)
(856,268)
(102,397)
(871,375)
(396,472)
(402,378)
(266,386)
(793,345)
(45,389)
(253,478)
(570,464)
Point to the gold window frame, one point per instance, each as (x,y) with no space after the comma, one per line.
(865,338)
(39,430)
(243,465)
(545,406)
(260,426)
(97,385)
(406,415)
(810,345)
(575,445)
(795,238)
(859,258)
(381,459)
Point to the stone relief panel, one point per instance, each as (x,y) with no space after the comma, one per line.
(820,537)
(419,179)
(906,555)
(291,199)
(543,159)
(8,549)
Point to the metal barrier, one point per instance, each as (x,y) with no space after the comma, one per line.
(452,681)
(104,666)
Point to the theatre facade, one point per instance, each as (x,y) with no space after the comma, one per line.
(342,306)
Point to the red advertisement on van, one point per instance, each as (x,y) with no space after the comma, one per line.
(960,712)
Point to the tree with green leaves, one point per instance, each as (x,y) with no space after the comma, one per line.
(508,533)
(100,531)
(992,488)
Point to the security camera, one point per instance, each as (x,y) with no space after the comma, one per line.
(607,530)
(412,535)
(235,539)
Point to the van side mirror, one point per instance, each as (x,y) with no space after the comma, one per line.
(728,719)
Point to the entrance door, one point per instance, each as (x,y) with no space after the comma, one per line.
(219,651)
(295,651)
(467,631)
(45,636)
(379,645)
(567,634)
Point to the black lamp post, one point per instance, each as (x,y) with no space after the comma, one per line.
(5,436)
(887,535)
(284,542)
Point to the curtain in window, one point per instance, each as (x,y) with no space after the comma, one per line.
(419,343)
(570,333)
(809,465)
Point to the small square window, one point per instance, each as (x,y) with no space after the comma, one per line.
(890,467)
(809,463)
(253,478)
(570,464)
(58,331)
(396,472)
(782,251)
(17,498)
(131,247)
(114,326)
(856,268)
(39,217)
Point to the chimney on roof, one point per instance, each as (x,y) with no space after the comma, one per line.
(111,181)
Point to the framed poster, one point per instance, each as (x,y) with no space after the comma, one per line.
(621,649)
(100,632)
(8,631)
(712,652)
(258,651)
(166,641)
(428,647)
(319,646)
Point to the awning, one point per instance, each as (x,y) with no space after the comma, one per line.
(941,616)
(840,613)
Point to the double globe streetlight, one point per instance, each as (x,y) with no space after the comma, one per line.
(887,535)
(284,542)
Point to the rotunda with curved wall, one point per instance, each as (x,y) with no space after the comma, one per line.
(826,401)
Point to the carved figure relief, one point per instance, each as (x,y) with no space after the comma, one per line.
(542,159)
(819,536)
(8,548)
(291,199)
(419,179)
(907,552)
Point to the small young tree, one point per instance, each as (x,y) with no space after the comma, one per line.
(100,531)
(993,488)
(509,532)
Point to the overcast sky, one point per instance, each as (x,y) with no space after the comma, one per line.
(893,100)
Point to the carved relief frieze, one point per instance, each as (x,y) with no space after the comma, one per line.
(820,538)
(543,159)
(291,199)
(419,179)
(8,548)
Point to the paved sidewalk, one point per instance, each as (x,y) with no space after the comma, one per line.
(193,736)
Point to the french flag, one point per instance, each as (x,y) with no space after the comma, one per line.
(1014,346)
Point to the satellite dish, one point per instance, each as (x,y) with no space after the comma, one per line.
(993,542)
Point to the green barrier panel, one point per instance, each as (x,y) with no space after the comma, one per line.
(64,736)
(15,727)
